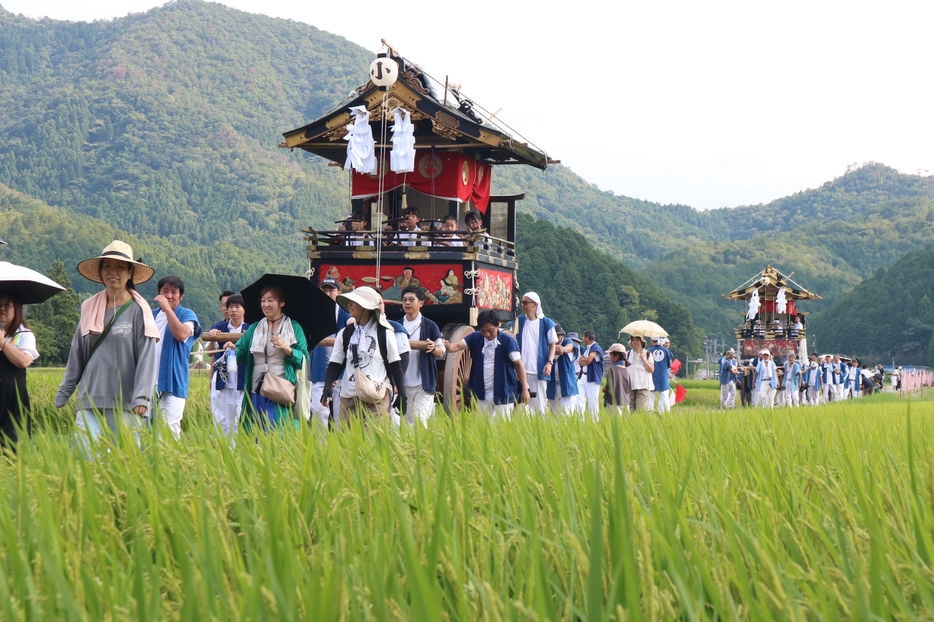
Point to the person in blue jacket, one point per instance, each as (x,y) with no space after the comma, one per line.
(179,328)
(497,376)
(729,371)
(420,375)
(766,380)
(562,389)
(320,355)
(227,390)
(537,341)
(792,380)
(662,357)
(592,359)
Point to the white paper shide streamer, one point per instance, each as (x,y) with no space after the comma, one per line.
(361,148)
(753,305)
(402,156)
(781,303)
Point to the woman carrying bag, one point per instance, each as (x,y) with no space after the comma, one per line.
(270,354)
(112,362)
(367,353)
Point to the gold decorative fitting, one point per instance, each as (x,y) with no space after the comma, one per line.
(410,77)
(335,134)
(443,131)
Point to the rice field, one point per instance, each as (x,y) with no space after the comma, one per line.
(810,514)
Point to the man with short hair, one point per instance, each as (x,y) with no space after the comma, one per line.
(826,380)
(838,368)
(792,380)
(215,393)
(320,355)
(660,378)
(449,237)
(766,380)
(812,376)
(580,403)
(409,229)
(227,382)
(497,377)
(728,375)
(421,374)
(537,343)
(405,351)
(592,357)
(562,384)
(179,328)
(851,387)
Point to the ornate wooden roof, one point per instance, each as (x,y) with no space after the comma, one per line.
(768,283)
(447,123)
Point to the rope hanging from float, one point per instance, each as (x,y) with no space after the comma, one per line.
(381,182)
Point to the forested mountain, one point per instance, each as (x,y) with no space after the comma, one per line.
(830,238)
(583,288)
(162,127)
(165,125)
(888,315)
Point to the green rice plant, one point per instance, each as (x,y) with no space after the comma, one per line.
(810,513)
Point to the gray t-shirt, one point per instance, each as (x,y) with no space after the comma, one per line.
(122,372)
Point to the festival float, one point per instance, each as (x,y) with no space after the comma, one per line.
(410,141)
(773,320)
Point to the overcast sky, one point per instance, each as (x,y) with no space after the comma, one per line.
(709,104)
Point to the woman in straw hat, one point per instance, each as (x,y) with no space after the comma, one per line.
(112,363)
(368,356)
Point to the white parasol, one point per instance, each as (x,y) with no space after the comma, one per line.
(31,286)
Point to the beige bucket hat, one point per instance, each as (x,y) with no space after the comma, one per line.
(366,297)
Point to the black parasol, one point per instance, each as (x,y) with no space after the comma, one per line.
(304,302)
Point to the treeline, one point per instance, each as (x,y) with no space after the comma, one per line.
(890,315)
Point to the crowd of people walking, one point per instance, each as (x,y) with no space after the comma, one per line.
(761,382)
(128,365)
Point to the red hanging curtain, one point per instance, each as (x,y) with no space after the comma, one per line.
(445,175)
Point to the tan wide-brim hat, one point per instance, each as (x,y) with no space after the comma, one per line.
(90,268)
(366,297)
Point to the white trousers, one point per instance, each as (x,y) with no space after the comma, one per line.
(662,405)
(171,411)
(813,395)
(791,395)
(493,411)
(592,392)
(225,407)
(728,395)
(581,393)
(827,390)
(838,392)
(539,403)
(766,396)
(319,412)
(418,404)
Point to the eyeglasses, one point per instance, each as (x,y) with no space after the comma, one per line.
(528,302)
(410,299)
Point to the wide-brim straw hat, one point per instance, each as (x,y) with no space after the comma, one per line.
(366,297)
(90,268)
